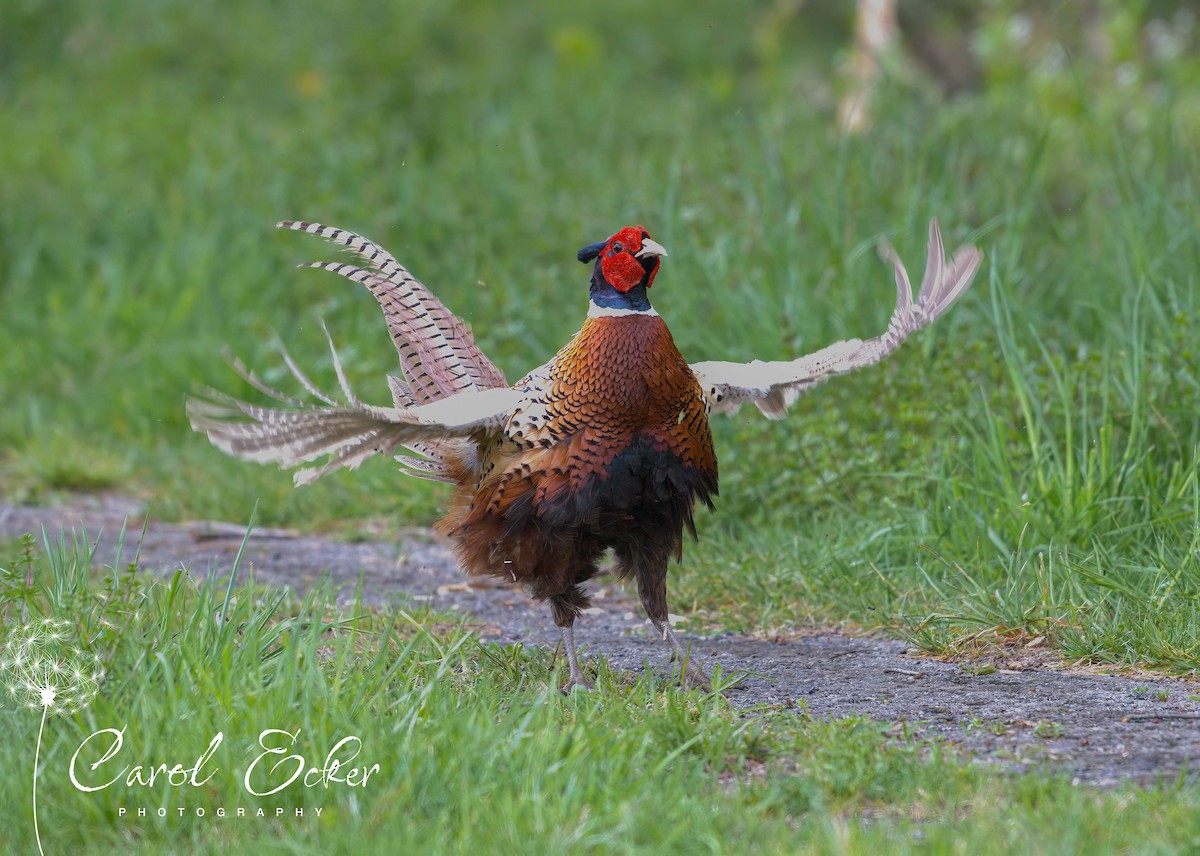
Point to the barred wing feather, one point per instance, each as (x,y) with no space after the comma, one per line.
(346,434)
(774,386)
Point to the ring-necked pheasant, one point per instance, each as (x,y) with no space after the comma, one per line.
(607,446)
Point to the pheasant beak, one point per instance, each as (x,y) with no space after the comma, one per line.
(650,248)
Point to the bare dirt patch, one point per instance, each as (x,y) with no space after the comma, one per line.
(1102,729)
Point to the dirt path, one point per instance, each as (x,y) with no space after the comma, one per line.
(1104,729)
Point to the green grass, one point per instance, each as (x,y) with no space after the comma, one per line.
(1027,466)
(477,750)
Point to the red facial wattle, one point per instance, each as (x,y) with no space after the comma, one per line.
(621,270)
(619,263)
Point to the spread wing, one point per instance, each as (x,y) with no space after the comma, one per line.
(348,435)
(774,386)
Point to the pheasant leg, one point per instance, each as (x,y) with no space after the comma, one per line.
(576,678)
(693,675)
(652,589)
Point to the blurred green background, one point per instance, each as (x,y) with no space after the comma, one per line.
(1029,465)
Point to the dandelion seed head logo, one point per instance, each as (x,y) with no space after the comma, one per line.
(40,668)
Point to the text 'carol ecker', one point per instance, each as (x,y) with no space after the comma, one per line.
(271,770)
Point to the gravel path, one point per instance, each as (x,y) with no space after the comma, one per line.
(1104,729)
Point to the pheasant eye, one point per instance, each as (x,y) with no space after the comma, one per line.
(618,247)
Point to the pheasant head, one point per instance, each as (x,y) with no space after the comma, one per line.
(625,266)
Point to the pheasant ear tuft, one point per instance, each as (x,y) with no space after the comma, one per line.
(586,254)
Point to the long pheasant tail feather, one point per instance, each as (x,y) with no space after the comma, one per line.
(437,351)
